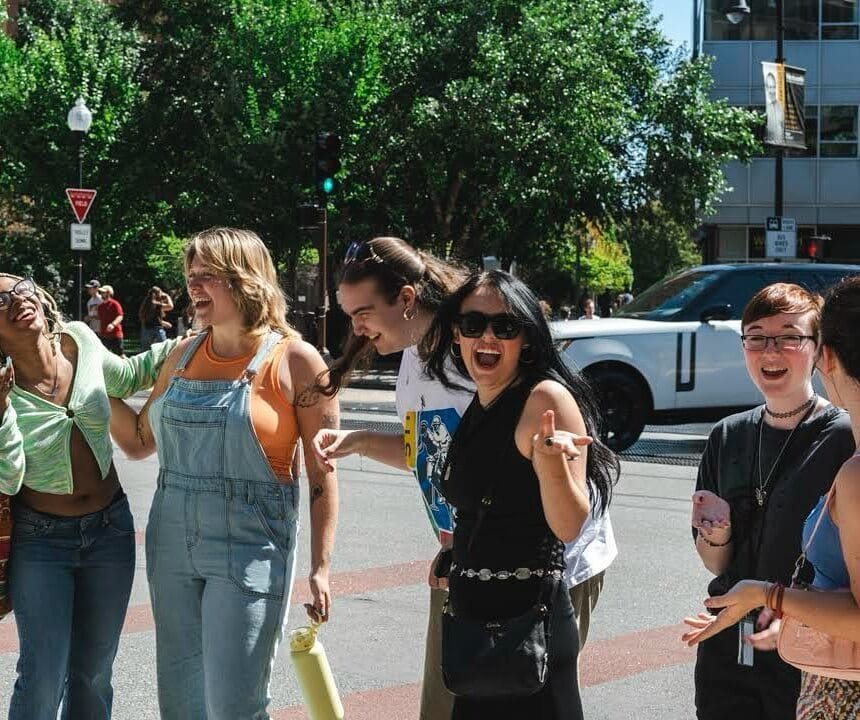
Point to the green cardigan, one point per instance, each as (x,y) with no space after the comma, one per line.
(35,433)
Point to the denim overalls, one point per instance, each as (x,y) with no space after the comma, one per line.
(220,549)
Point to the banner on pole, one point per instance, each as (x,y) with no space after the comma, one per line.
(784,91)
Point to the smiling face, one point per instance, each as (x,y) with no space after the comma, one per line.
(781,374)
(210,295)
(492,363)
(385,324)
(23,315)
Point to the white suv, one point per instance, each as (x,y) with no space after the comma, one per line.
(674,353)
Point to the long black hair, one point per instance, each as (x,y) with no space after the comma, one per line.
(391,263)
(602,467)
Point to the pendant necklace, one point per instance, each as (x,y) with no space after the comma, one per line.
(761,489)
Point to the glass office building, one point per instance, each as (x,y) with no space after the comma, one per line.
(821,183)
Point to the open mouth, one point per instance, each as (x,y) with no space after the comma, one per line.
(24,315)
(773,373)
(202,304)
(487,358)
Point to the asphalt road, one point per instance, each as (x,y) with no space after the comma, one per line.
(634,664)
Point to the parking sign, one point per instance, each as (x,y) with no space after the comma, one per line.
(781,237)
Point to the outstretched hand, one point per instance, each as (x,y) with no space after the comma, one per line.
(329,444)
(710,512)
(551,442)
(737,602)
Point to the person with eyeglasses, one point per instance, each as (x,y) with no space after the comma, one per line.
(524,472)
(761,474)
(72,557)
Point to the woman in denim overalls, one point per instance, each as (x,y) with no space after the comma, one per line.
(221,538)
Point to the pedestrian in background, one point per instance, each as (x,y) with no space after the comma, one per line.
(588,310)
(762,472)
(152,316)
(95,324)
(226,417)
(522,473)
(834,550)
(110,319)
(72,551)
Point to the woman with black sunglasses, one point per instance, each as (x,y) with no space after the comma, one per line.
(72,549)
(518,494)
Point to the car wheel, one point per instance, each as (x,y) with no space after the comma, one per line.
(624,405)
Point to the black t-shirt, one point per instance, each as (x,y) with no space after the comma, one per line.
(767,540)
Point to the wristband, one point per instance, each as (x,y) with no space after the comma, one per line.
(711,543)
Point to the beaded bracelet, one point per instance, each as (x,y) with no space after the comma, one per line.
(711,543)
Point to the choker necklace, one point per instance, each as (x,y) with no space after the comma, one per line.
(55,386)
(761,488)
(791,413)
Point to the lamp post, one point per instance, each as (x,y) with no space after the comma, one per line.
(736,13)
(79,120)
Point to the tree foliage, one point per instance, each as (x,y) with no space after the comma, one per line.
(481,127)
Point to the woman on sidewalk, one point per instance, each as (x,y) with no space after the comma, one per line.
(73,549)
(761,473)
(226,416)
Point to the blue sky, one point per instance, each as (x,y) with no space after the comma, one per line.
(677,20)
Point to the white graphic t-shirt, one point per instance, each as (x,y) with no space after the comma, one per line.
(430,413)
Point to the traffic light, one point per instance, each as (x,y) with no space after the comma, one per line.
(813,247)
(326,163)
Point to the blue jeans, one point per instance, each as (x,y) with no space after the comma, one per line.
(70,580)
(150,335)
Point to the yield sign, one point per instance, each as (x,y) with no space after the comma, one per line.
(81,201)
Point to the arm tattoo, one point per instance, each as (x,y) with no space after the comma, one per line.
(330,421)
(308,397)
(316,492)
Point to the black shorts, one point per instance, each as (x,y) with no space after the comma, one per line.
(114,345)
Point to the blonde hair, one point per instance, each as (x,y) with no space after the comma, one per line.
(49,306)
(240,257)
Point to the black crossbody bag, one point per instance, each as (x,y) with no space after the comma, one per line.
(498,659)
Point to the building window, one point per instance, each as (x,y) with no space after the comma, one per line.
(839,131)
(732,243)
(839,20)
(801,21)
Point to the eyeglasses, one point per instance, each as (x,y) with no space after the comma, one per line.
(23,288)
(473,324)
(359,252)
(757,343)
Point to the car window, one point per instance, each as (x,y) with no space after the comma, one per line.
(828,278)
(738,288)
(666,298)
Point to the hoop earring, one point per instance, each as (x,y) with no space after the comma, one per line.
(527,358)
(455,353)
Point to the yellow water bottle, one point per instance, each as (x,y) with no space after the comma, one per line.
(314,674)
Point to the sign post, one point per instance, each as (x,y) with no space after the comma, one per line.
(781,238)
(81,200)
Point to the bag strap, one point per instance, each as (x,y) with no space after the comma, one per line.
(801,559)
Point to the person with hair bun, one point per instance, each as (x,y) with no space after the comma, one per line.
(834,551)
(761,474)
(226,416)
(391,291)
(72,550)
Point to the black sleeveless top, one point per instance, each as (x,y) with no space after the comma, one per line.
(484,462)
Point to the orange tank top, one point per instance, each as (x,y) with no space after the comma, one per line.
(272,415)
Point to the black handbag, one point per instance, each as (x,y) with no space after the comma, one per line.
(509,658)
(496,659)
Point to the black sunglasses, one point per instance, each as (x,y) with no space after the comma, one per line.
(473,324)
(359,252)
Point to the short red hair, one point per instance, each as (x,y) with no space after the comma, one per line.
(784,298)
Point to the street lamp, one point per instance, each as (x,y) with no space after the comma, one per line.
(735,14)
(79,120)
